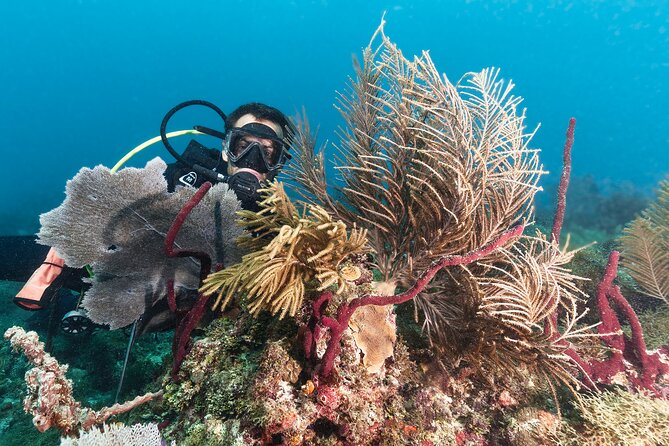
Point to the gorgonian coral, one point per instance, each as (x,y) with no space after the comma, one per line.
(289,250)
(646,247)
(434,170)
(117,224)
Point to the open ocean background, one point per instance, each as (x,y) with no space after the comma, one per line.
(82,82)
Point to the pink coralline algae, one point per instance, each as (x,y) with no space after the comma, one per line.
(328,396)
(49,398)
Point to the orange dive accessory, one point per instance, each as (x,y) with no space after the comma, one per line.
(33,295)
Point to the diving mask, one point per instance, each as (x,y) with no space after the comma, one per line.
(256,146)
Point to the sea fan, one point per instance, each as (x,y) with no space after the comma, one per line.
(646,247)
(117,224)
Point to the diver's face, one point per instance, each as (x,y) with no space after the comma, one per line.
(267,145)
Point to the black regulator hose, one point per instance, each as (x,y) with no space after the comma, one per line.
(208,173)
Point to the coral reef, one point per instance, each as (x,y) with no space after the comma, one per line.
(230,394)
(434,170)
(411,306)
(497,308)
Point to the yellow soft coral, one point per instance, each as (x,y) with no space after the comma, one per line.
(289,252)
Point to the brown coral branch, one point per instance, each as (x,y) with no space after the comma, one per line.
(93,418)
(50,399)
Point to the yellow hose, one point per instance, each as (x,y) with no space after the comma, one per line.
(146,144)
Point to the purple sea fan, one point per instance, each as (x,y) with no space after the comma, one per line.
(117,224)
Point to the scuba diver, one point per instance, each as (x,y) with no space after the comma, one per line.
(254,149)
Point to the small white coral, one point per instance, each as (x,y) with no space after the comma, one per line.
(118,434)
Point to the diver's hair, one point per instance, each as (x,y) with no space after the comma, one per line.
(262,111)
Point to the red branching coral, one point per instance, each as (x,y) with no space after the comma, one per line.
(188,323)
(629,356)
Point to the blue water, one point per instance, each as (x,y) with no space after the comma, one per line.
(82,82)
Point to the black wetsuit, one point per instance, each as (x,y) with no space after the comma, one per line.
(181,174)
